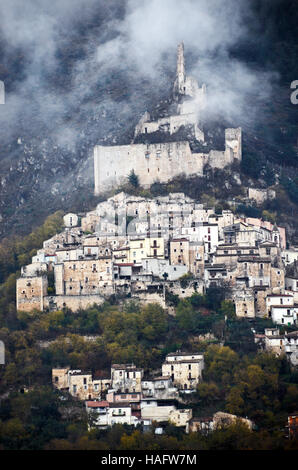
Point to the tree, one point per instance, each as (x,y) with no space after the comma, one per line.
(227,308)
(133,179)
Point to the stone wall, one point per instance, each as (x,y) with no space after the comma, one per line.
(74,302)
(162,162)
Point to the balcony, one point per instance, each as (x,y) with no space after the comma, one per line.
(148,393)
(118,413)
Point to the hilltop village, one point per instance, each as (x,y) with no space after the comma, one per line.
(152,250)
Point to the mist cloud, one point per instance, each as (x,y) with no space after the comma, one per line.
(136,45)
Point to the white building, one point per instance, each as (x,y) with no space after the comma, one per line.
(283,314)
(205,232)
(126,378)
(71,220)
(279,300)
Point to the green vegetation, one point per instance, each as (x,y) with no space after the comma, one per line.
(18,251)
(237,379)
(133,179)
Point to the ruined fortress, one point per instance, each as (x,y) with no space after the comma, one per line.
(162,161)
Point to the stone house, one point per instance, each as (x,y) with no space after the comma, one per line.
(126,378)
(274,342)
(244,304)
(31,291)
(185,369)
(181,417)
(83,277)
(79,384)
(146,248)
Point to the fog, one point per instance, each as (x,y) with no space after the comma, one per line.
(117,59)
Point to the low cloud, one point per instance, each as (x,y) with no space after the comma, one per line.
(133,43)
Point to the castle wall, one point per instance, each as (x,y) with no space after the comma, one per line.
(151,162)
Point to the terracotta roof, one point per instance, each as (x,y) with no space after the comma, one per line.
(97,404)
(124,264)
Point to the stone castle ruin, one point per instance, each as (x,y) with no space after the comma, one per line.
(162,161)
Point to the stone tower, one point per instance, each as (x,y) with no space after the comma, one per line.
(180,73)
